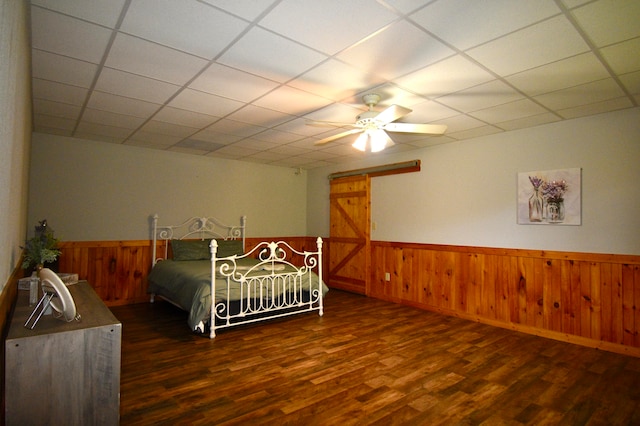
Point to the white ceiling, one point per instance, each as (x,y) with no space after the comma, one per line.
(239,79)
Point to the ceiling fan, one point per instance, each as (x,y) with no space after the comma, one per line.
(374,126)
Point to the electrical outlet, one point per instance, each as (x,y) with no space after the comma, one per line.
(387,276)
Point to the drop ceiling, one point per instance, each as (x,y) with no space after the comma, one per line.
(240,79)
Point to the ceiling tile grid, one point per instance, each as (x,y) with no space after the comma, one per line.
(244,79)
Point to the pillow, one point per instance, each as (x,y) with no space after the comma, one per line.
(190,249)
(228,248)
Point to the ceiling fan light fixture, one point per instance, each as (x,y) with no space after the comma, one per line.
(361,142)
(380,140)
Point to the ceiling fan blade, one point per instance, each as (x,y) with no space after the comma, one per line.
(328,124)
(430,129)
(392,113)
(338,136)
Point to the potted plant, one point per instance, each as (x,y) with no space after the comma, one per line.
(41,249)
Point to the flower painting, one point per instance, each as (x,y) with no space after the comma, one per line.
(550,197)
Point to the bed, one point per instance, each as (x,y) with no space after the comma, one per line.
(202,257)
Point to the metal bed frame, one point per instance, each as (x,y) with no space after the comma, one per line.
(271,288)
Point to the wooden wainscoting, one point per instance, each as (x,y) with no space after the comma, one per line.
(118,270)
(589,299)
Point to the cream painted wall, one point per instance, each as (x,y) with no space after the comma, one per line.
(466,191)
(91,190)
(15,131)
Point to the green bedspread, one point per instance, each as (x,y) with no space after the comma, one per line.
(188,284)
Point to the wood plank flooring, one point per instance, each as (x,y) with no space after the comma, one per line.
(365,361)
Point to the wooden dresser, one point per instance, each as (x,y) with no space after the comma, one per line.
(64,373)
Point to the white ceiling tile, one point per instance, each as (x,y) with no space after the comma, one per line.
(584,94)
(407,6)
(180,116)
(231,83)
(234,127)
(204,103)
(291,150)
(266,156)
(160,89)
(292,101)
(430,111)
(623,57)
(134,86)
(510,111)
(98,11)
(200,145)
(58,92)
(99,138)
(609,21)
(632,82)
(50,121)
(247,9)
(531,47)
(236,150)
(152,60)
(340,22)
(263,53)
(569,72)
(260,116)
(295,162)
(111,119)
(335,80)
(450,75)
(574,3)
(151,144)
(183,25)
(67,33)
(460,123)
(384,56)
(215,137)
(277,136)
(112,132)
(531,121)
(121,105)
(52,130)
(337,113)
(480,97)
(141,138)
(596,108)
(170,129)
(475,132)
(62,69)
(313,155)
(390,94)
(300,126)
(56,109)
(465,23)
(183,150)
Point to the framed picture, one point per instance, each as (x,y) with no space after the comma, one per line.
(550,197)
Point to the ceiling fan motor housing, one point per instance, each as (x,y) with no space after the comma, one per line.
(366,117)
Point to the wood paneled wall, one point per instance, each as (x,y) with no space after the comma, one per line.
(590,299)
(118,270)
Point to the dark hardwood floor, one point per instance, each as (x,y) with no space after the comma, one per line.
(365,362)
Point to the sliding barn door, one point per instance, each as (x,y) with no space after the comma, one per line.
(349,254)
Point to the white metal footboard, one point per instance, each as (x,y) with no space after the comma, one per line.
(272,287)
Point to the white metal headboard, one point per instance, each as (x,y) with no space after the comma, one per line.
(195,227)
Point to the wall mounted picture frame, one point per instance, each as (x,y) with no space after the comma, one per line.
(550,197)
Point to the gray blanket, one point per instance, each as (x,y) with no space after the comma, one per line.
(188,284)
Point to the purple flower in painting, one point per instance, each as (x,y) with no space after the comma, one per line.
(536,181)
(554,190)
